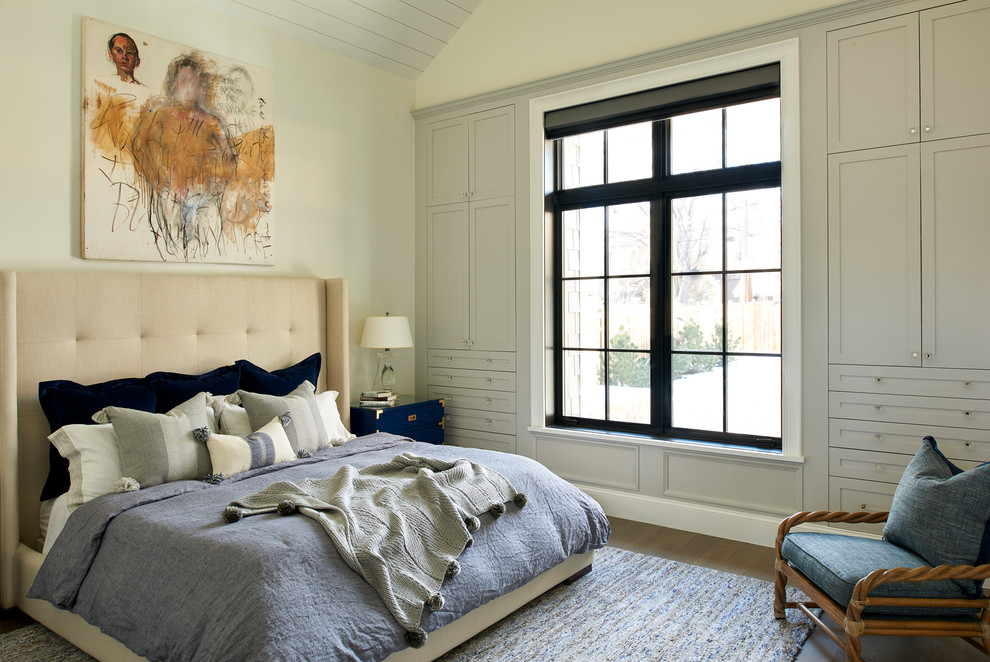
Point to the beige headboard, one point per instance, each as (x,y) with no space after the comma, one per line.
(91,327)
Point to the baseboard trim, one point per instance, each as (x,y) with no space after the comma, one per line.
(738,525)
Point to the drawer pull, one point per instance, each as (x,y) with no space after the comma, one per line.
(967,444)
(878,380)
(488,361)
(411,418)
(967,384)
(862,506)
(877,436)
(878,467)
(449,397)
(877,408)
(967,414)
(448,418)
(928,355)
(489,421)
(450,358)
(488,380)
(488,401)
(449,378)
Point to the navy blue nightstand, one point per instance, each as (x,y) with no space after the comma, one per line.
(412,416)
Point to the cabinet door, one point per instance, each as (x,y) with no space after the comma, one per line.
(874,253)
(449,277)
(956,266)
(493,270)
(447,162)
(955,50)
(873,81)
(492,154)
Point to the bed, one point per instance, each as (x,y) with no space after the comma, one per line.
(94,327)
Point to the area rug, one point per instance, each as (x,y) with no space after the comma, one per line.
(631,608)
(634,607)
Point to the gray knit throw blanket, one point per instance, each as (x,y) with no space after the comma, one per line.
(401,525)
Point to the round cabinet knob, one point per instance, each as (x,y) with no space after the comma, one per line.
(878,467)
(877,436)
(928,129)
(450,358)
(489,422)
(449,378)
(862,506)
(967,414)
(968,444)
(914,355)
(967,384)
(914,130)
(877,408)
(488,401)
(878,380)
(928,355)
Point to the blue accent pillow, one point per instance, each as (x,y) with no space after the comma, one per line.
(941,512)
(66,402)
(279,382)
(173,388)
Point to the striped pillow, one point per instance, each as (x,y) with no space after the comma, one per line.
(231,454)
(306,431)
(161,448)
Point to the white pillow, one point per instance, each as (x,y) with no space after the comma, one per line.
(336,432)
(230,418)
(94,461)
(231,454)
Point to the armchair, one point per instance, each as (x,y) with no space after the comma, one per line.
(924,578)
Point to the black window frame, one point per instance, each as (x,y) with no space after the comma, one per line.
(658,190)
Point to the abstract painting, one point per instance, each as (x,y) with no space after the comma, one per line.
(178,152)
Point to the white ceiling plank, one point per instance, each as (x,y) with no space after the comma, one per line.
(409,14)
(318,22)
(399,36)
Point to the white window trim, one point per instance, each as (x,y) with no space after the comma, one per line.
(785,52)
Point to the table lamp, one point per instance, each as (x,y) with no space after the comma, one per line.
(384,333)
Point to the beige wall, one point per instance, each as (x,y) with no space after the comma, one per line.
(344,152)
(509,42)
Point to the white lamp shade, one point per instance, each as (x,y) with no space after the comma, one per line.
(386,332)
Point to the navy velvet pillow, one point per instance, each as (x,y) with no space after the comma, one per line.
(173,388)
(279,382)
(65,402)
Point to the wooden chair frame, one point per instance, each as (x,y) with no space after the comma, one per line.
(976,633)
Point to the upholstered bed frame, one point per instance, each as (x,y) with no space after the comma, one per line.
(92,327)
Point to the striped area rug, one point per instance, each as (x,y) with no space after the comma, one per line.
(631,608)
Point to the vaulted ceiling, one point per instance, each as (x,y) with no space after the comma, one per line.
(399,36)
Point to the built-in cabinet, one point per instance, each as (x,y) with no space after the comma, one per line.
(471,276)
(908,227)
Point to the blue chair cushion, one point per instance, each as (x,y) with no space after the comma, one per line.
(941,512)
(835,562)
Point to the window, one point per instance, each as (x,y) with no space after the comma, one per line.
(667,262)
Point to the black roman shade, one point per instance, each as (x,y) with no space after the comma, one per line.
(761,82)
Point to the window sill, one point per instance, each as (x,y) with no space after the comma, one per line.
(681,445)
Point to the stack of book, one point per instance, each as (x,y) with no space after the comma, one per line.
(378,399)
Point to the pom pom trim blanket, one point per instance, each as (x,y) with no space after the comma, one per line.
(401,525)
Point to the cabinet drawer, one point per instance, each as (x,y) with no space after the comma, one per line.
(468,398)
(937,382)
(472,360)
(482,421)
(958,444)
(867,465)
(851,495)
(950,412)
(505,443)
(480,379)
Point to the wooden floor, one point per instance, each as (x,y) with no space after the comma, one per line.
(755,561)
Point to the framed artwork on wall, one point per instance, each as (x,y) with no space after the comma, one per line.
(178,152)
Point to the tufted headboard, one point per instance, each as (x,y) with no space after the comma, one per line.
(91,327)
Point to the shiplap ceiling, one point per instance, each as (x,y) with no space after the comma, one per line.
(400,36)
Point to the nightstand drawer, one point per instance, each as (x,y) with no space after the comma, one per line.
(417,418)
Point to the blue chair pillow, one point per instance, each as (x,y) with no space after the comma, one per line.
(941,512)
